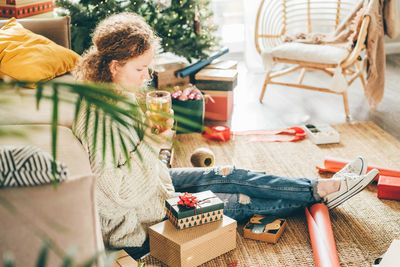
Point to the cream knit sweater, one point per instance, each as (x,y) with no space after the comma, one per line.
(128,200)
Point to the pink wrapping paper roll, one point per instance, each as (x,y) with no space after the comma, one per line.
(321,235)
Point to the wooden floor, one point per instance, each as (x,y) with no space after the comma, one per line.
(286,106)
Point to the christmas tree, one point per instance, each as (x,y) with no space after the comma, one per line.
(184,26)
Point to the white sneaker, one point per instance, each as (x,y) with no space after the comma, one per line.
(351,184)
(357,166)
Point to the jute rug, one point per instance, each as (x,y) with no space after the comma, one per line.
(363,227)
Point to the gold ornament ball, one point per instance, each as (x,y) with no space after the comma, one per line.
(202,157)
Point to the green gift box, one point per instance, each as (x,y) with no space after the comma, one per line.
(188,115)
(209,208)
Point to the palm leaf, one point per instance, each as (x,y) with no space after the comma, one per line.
(54,123)
(42,259)
(8,260)
(124,148)
(78,106)
(104,138)
(93,99)
(113,144)
(95,129)
(39,94)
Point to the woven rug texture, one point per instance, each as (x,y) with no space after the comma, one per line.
(363,227)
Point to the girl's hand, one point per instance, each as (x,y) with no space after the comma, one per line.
(161,126)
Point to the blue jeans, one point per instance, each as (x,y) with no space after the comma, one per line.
(246,192)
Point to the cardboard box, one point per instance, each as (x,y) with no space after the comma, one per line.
(124,260)
(222,64)
(222,107)
(216,79)
(192,246)
(264,228)
(389,187)
(208,209)
(164,75)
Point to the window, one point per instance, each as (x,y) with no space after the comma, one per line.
(228,15)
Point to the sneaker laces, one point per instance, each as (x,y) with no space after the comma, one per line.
(347,176)
(350,169)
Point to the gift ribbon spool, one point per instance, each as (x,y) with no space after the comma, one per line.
(217,133)
(202,157)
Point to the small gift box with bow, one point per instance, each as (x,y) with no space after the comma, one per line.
(190,210)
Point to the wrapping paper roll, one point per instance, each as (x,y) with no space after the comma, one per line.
(321,235)
(334,165)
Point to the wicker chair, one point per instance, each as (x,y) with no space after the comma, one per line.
(279,18)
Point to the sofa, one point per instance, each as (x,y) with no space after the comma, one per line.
(64,214)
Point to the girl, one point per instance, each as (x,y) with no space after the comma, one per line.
(132,199)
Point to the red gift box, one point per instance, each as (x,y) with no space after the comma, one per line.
(221,109)
(24,8)
(389,187)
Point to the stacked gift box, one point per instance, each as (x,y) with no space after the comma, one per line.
(218,81)
(24,8)
(164,68)
(195,223)
(389,187)
(122,259)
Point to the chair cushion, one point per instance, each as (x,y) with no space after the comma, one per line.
(308,52)
(28,166)
(31,57)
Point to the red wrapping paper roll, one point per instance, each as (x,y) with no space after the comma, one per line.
(321,235)
(334,165)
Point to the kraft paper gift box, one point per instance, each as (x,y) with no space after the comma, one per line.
(264,228)
(192,246)
(124,260)
(222,107)
(165,66)
(389,187)
(208,209)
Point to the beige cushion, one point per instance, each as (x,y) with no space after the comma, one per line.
(56,29)
(307,52)
(20,108)
(69,149)
(66,215)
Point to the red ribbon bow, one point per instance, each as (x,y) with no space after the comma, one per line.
(187,200)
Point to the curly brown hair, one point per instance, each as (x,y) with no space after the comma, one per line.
(119,37)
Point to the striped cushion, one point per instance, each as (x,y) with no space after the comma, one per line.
(27,166)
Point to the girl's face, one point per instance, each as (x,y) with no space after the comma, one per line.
(134,72)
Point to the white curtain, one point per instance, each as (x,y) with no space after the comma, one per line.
(252,58)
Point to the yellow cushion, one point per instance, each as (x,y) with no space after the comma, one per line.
(27,56)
